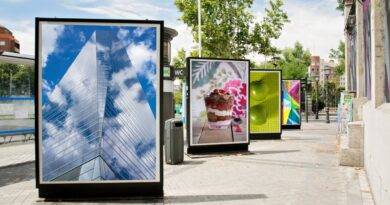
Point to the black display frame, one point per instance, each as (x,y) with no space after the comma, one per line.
(87,190)
(294,127)
(199,149)
(268,136)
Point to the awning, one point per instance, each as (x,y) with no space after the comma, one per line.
(16,58)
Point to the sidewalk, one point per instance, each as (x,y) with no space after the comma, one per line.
(300,169)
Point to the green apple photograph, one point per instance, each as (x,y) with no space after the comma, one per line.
(265,102)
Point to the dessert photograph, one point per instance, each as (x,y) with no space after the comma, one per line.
(218,101)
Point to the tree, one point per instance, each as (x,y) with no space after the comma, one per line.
(179,61)
(22,80)
(295,61)
(339,55)
(340,5)
(229,29)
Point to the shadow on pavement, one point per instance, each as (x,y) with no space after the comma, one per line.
(274,151)
(210,198)
(17,173)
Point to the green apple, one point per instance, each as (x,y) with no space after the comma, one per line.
(259,90)
(258,114)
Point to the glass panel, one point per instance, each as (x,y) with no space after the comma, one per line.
(387,52)
(352,58)
(219,101)
(291,102)
(99,102)
(367,46)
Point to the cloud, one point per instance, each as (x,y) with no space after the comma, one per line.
(146,9)
(50,33)
(82,37)
(140,55)
(182,40)
(122,34)
(129,145)
(316,24)
(139,31)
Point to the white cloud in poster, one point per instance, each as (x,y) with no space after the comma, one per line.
(122,34)
(133,105)
(50,34)
(56,96)
(139,31)
(140,55)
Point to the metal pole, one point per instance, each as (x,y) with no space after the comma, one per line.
(199,28)
(317,100)
(10,82)
(327,99)
(306,102)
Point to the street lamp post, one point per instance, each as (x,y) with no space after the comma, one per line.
(306,100)
(327,73)
(199,28)
(317,106)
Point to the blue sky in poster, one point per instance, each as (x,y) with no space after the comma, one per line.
(65,42)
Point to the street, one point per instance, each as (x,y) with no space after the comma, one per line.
(302,168)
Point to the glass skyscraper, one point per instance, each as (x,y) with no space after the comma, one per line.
(99,107)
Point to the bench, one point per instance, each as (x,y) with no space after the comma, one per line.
(28,134)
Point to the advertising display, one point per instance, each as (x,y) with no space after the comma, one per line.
(98,108)
(291,104)
(345,111)
(265,104)
(218,104)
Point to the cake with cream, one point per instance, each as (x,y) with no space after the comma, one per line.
(219,104)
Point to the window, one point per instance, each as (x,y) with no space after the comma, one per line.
(367,47)
(351,33)
(2,43)
(387,52)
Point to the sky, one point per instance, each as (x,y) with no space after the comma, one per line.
(314,23)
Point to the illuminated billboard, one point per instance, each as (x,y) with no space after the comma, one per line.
(265,104)
(218,102)
(291,103)
(98,104)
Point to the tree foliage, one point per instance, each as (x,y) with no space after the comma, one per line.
(340,5)
(229,29)
(16,80)
(295,62)
(179,61)
(339,55)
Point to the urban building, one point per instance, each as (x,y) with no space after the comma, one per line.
(320,68)
(8,41)
(326,68)
(367,77)
(314,68)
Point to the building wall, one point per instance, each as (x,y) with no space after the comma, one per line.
(314,68)
(377,150)
(376,112)
(8,41)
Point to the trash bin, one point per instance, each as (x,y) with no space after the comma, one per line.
(174,142)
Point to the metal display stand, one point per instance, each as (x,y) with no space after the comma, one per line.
(79,189)
(211,148)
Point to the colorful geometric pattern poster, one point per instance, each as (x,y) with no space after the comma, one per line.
(291,102)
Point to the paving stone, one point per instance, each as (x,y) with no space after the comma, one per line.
(302,168)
